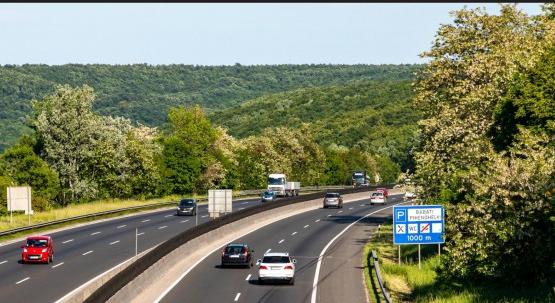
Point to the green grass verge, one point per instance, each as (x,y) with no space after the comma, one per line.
(407,283)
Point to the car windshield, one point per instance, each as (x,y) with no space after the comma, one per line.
(268,193)
(332,195)
(187,202)
(276,181)
(234,250)
(377,194)
(276,259)
(37,242)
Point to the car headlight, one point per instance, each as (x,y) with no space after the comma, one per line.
(44,250)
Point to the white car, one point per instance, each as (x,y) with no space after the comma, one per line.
(409,195)
(276,266)
(378,197)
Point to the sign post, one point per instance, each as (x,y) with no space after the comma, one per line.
(418,224)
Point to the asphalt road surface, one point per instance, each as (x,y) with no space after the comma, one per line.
(85,252)
(304,236)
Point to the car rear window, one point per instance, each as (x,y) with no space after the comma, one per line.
(377,194)
(276,259)
(37,242)
(187,202)
(332,195)
(233,250)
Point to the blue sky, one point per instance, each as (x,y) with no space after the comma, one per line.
(223,34)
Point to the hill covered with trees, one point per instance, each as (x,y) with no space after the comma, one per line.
(373,115)
(145,93)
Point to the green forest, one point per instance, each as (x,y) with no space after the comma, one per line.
(144,93)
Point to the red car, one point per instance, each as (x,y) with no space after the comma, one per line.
(38,249)
(384,190)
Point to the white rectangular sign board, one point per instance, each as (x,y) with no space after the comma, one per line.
(19,198)
(219,201)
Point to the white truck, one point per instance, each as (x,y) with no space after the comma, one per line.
(279,184)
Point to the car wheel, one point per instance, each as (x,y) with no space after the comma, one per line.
(292,281)
(52,258)
(260,281)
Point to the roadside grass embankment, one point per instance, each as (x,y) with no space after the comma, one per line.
(407,283)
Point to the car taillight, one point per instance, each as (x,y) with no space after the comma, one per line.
(288,267)
(223,253)
(263,267)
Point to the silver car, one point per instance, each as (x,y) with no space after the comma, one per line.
(333,200)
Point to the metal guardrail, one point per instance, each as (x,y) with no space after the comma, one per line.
(118,210)
(379,276)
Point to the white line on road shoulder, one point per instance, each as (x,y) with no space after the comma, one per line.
(59,264)
(248,277)
(237,297)
(67,241)
(281,241)
(22,280)
(321,256)
(90,251)
(95,233)
(114,242)
(162,227)
(122,226)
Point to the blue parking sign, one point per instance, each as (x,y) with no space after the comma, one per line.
(418,224)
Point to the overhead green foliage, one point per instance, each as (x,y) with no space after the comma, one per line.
(145,93)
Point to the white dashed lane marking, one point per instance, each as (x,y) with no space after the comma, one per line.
(269,250)
(114,242)
(95,233)
(329,215)
(162,227)
(90,251)
(21,281)
(248,277)
(67,241)
(350,208)
(184,221)
(244,203)
(140,234)
(59,264)
(204,216)
(122,226)
(5,261)
(145,220)
(294,233)
(339,211)
(317,220)
(306,226)
(241,208)
(281,241)
(168,216)
(237,297)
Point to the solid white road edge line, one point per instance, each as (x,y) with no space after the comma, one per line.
(237,297)
(68,295)
(163,294)
(321,256)
(22,280)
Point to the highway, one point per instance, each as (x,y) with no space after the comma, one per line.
(82,253)
(304,236)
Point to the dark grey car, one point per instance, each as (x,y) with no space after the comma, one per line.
(187,207)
